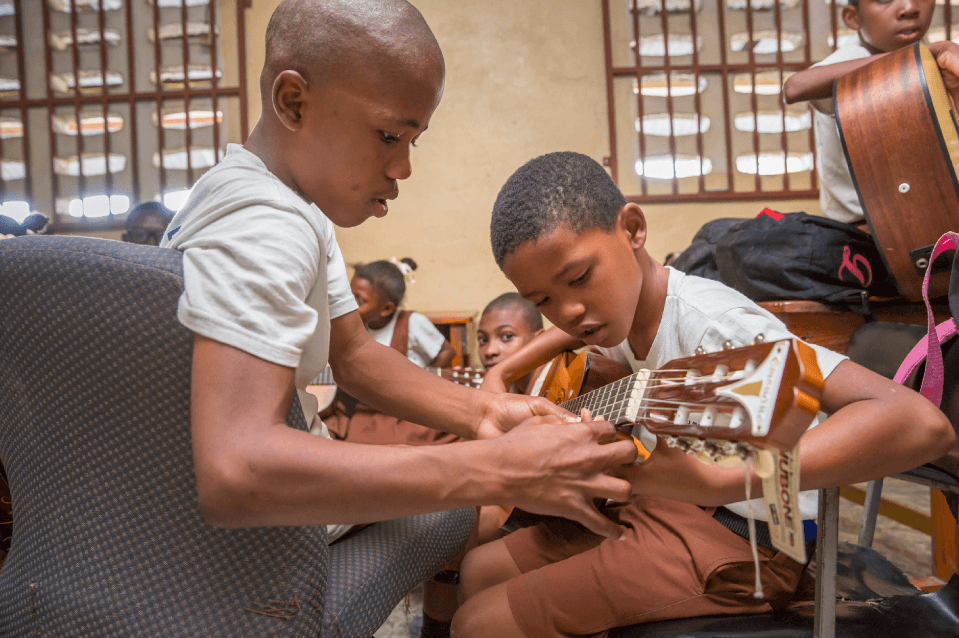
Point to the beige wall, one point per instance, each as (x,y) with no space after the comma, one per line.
(524,77)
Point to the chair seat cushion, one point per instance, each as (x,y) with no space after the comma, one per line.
(371,571)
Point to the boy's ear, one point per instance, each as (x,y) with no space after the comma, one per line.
(632,221)
(289,93)
(387,309)
(850,15)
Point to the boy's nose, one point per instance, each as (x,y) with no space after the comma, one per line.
(400,166)
(571,311)
(908,8)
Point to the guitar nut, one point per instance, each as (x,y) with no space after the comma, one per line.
(904,188)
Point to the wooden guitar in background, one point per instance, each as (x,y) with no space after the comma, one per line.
(899,133)
(323,387)
(731,403)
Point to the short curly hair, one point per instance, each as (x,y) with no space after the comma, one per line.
(531,315)
(557,188)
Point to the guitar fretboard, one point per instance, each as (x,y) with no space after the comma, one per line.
(617,402)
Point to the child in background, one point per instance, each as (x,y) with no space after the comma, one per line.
(569,241)
(507,324)
(883,26)
(379,288)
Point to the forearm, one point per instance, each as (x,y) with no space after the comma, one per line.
(541,349)
(282,476)
(815,84)
(384,379)
(877,428)
(444,357)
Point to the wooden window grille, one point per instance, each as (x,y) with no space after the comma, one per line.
(107,103)
(695,99)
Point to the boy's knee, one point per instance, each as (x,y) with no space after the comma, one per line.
(484,567)
(472,620)
(469,575)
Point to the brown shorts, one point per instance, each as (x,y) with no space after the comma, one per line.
(676,561)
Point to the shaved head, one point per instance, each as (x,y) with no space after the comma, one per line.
(328,39)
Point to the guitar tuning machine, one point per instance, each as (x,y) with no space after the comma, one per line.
(760,338)
(700,350)
(727,345)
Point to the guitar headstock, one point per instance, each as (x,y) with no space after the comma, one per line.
(470,377)
(727,403)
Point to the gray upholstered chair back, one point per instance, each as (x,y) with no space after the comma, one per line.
(95,439)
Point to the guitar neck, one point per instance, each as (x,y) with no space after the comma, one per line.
(619,402)
(764,395)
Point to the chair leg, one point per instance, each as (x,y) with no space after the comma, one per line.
(870,513)
(827,546)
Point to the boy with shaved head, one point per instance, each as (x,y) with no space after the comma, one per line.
(347,88)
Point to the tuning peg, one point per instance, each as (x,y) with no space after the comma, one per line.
(700,350)
(760,338)
(727,345)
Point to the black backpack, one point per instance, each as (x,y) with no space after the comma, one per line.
(792,256)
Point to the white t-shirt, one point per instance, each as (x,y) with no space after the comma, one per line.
(423,342)
(262,270)
(837,194)
(701,312)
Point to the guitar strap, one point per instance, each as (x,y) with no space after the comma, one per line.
(930,348)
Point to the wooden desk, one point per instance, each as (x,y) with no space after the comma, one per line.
(832,326)
(455,326)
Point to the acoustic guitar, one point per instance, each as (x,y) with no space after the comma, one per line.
(901,139)
(731,403)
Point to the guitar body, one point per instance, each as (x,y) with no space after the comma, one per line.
(731,403)
(572,374)
(899,133)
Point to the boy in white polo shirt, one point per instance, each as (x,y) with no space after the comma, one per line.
(347,88)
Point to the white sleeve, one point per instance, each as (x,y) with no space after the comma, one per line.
(424,341)
(246,280)
(844,54)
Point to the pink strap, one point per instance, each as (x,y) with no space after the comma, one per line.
(931,348)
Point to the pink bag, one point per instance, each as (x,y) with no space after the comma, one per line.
(930,349)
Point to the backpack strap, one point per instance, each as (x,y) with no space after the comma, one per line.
(401,333)
(930,349)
